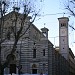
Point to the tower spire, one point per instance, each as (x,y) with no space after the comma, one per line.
(44,25)
(63,14)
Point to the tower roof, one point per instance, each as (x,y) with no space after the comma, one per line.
(44,29)
(64,18)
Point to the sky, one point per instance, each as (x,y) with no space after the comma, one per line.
(50,11)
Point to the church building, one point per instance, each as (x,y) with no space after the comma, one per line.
(34,52)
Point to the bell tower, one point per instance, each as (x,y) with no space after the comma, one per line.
(63,37)
(45,32)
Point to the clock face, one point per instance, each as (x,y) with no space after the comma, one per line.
(63,32)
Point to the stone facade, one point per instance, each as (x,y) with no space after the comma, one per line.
(34,52)
(64,49)
(63,66)
(63,37)
(71,63)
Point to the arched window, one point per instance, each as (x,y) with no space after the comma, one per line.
(34,66)
(8,35)
(34,69)
(43,52)
(34,53)
(63,24)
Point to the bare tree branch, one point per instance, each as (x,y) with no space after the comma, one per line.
(72,27)
(71,11)
(3,40)
(71,7)
(19,33)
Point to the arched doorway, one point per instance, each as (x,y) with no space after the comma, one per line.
(34,69)
(12,68)
(12,64)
